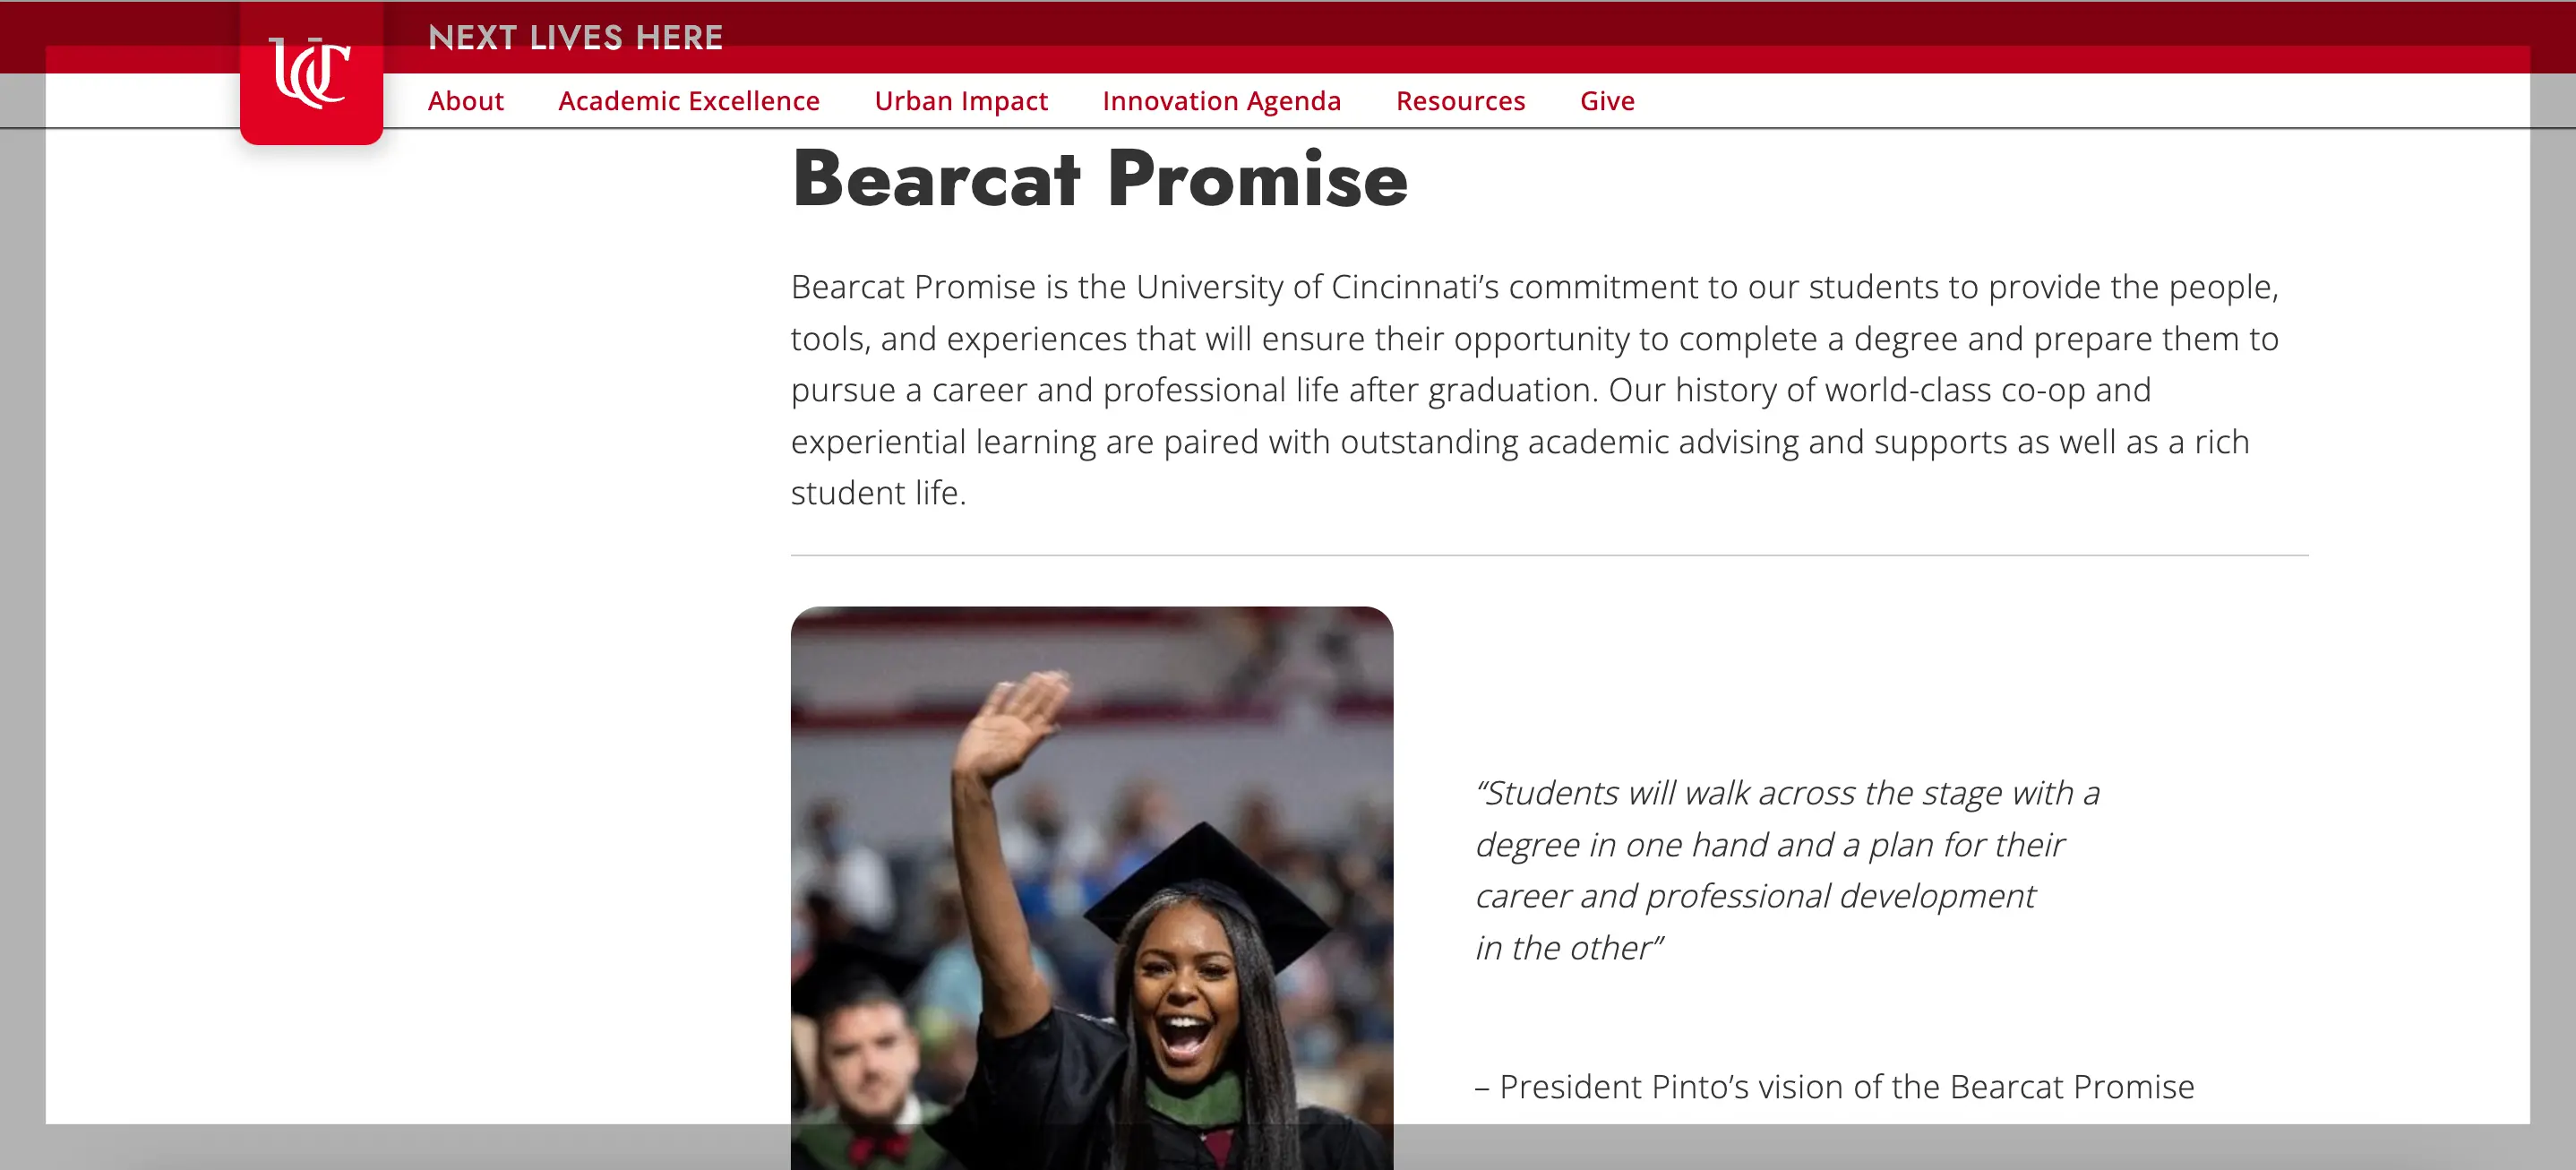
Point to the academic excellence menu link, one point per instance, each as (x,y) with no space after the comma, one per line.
(618,101)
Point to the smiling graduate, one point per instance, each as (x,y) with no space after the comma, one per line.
(1194,1070)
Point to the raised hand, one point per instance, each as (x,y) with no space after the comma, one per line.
(1016,718)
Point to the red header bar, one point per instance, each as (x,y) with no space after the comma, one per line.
(552,36)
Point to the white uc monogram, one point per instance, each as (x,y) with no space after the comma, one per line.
(309,78)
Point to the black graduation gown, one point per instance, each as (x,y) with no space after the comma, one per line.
(1041,1101)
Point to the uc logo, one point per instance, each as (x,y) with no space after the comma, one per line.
(308,80)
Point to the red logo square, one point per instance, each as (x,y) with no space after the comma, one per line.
(312,74)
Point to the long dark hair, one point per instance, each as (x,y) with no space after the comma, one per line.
(1267,1139)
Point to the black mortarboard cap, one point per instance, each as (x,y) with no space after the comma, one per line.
(845,973)
(1289,927)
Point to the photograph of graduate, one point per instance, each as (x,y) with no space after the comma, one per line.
(1081,889)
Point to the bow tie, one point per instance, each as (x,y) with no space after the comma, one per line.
(890,1146)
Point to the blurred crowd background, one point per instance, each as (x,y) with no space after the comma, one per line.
(1275,725)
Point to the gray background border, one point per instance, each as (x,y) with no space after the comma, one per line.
(25,1141)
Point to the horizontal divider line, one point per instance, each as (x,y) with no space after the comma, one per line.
(1569,555)
(1424,129)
